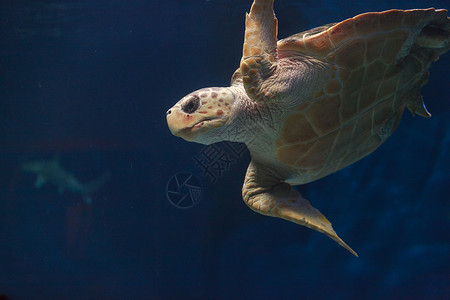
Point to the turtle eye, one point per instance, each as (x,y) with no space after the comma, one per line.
(191,105)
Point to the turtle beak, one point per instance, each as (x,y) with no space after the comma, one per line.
(174,121)
(184,125)
(189,126)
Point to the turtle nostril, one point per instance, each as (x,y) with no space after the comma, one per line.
(169,112)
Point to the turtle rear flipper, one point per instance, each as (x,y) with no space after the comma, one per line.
(263,193)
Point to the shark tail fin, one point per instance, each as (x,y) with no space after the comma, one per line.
(94,185)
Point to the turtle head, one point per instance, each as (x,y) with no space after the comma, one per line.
(202,115)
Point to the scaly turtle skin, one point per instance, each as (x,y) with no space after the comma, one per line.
(313,103)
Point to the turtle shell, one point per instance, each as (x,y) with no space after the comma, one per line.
(376,66)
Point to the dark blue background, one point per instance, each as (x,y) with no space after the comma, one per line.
(92,80)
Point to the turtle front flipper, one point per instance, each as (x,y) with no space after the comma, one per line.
(265,194)
(259,50)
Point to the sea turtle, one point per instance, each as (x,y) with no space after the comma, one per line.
(315,102)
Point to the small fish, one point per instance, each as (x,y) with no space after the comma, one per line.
(51,171)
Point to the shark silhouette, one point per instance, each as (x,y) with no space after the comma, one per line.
(52,172)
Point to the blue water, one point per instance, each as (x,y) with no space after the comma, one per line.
(91,81)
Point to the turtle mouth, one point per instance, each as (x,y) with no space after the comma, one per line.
(207,122)
(203,123)
(191,132)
